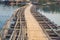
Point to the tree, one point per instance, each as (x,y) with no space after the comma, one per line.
(42,1)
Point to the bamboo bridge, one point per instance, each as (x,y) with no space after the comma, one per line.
(28,24)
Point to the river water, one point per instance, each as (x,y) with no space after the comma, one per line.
(52,12)
(6,12)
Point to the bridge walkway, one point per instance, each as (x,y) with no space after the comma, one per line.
(34,31)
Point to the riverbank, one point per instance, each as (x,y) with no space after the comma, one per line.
(12,2)
(0,34)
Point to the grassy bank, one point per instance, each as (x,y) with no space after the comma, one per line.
(0,35)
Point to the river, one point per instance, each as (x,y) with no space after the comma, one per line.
(52,12)
(6,12)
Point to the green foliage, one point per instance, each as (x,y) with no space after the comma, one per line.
(52,8)
(52,0)
(42,1)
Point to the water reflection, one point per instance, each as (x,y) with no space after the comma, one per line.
(51,8)
(52,12)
